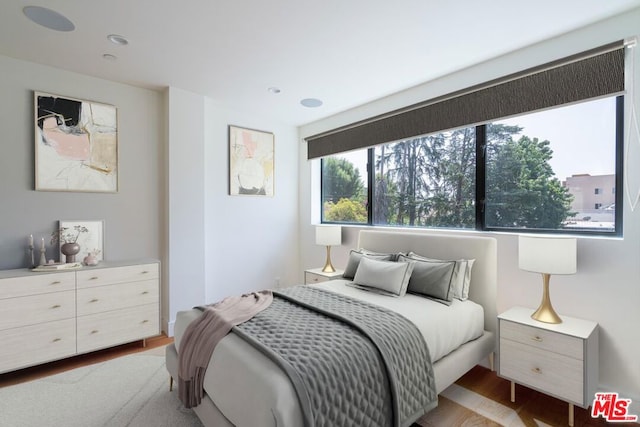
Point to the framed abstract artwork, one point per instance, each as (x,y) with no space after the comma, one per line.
(76,145)
(251,168)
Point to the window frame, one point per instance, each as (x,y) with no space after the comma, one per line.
(480,193)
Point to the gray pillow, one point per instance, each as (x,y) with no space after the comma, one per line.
(354,260)
(461,274)
(387,277)
(431,278)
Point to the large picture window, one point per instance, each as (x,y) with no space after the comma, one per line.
(542,171)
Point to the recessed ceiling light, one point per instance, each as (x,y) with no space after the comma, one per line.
(109,57)
(311,102)
(116,39)
(48,18)
(274,89)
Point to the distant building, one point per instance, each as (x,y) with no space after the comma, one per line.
(593,198)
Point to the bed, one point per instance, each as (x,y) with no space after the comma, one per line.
(244,388)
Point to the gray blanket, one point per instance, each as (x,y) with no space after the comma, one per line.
(352,364)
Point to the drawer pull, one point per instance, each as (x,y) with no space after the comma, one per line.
(56,339)
(145,292)
(145,321)
(55,306)
(57,282)
(95,331)
(94,278)
(94,300)
(536,338)
(145,272)
(536,370)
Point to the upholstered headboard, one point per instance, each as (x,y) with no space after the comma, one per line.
(450,247)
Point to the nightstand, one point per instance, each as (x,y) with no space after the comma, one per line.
(560,360)
(316,275)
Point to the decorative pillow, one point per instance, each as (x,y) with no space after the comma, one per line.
(431,278)
(461,275)
(387,277)
(356,255)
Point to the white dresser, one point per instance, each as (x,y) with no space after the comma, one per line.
(560,360)
(53,315)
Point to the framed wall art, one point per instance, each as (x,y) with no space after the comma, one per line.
(88,234)
(76,145)
(251,166)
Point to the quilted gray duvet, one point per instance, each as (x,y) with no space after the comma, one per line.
(352,364)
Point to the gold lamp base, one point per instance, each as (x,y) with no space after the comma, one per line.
(546,313)
(328,267)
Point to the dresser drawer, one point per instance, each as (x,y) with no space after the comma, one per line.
(111,328)
(35,344)
(113,297)
(108,276)
(542,339)
(37,284)
(23,311)
(552,373)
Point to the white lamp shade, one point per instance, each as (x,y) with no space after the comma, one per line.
(328,235)
(547,254)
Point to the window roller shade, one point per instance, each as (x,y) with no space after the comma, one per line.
(598,72)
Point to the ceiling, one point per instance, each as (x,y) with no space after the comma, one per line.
(344,52)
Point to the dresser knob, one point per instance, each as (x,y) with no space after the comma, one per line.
(56,339)
(94,278)
(145,321)
(55,306)
(95,331)
(145,272)
(536,370)
(537,338)
(57,282)
(94,300)
(145,292)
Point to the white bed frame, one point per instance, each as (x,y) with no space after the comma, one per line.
(434,245)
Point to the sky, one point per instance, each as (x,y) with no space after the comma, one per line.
(582,138)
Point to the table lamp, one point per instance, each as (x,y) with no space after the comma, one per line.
(547,255)
(328,235)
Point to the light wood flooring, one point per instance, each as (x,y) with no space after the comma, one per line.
(530,405)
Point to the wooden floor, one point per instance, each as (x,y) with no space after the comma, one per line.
(530,405)
(56,367)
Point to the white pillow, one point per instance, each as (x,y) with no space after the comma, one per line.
(387,277)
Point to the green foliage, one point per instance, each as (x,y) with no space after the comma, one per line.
(522,190)
(346,210)
(341,180)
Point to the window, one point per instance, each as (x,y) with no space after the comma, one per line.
(524,173)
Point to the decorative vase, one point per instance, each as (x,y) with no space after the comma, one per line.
(70,250)
(90,260)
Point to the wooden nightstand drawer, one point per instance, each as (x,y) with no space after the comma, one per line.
(315,278)
(542,339)
(553,373)
(316,275)
(112,297)
(108,276)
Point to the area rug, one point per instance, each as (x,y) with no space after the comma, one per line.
(128,391)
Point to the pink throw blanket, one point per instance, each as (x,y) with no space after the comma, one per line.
(202,335)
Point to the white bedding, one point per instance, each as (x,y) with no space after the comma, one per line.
(444,328)
(238,369)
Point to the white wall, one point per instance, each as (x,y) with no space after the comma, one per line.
(606,288)
(221,245)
